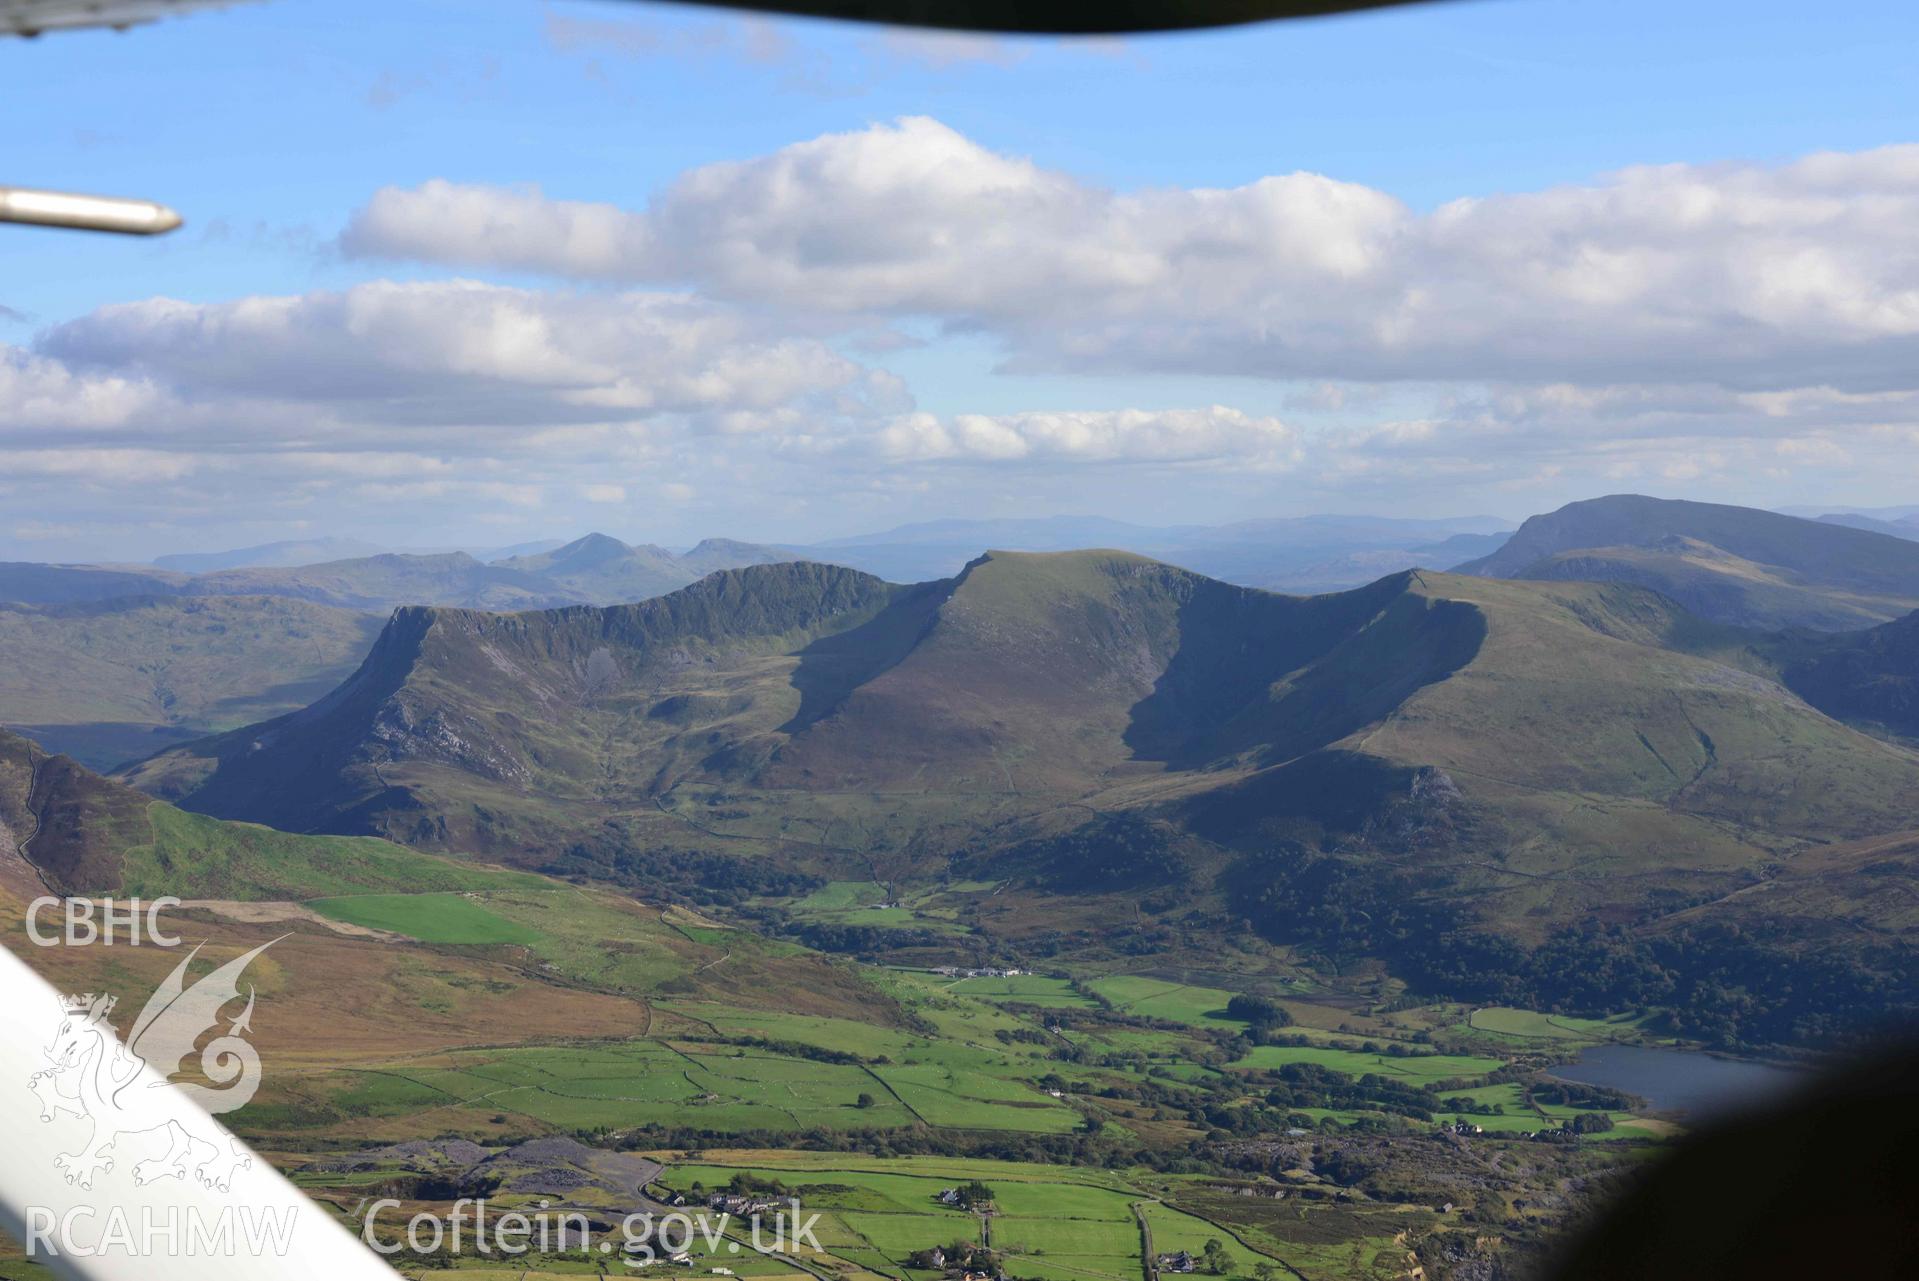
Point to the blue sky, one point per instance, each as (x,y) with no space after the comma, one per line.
(271,127)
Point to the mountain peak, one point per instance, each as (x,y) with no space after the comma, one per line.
(592,548)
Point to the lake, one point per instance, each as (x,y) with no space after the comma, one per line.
(1694,1084)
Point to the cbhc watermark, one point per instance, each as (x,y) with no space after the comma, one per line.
(105,921)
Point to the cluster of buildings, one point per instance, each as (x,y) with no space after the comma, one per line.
(740,1206)
(1177,1261)
(964,1270)
(958,972)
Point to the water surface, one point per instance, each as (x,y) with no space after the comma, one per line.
(1691,1083)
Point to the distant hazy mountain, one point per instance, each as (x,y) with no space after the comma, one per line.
(310,551)
(591,570)
(715,554)
(1733,565)
(491,554)
(601,570)
(294,554)
(112,663)
(30,583)
(1295,554)
(1905,527)
(112,681)
(385,582)
(1877,513)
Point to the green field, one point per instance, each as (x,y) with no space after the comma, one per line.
(944,1096)
(1533,1025)
(635,1083)
(1415,1069)
(1164,999)
(1050,1223)
(430,918)
(1023,989)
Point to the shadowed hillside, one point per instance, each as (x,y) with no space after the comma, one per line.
(81,833)
(1870,677)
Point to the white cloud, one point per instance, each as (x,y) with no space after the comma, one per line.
(45,394)
(1721,331)
(388,402)
(454,352)
(1132,435)
(1760,277)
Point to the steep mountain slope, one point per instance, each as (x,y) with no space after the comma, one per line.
(1727,564)
(110,681)
(1539,752)
(530,700)
(81,833)
(1870,676)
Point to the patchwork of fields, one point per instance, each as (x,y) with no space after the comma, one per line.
(1038,1055)
(712,1037)
(1045,1223)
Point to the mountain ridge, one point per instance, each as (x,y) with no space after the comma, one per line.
(1565,751)
(1727,564)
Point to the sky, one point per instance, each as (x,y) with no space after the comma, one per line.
(484,271)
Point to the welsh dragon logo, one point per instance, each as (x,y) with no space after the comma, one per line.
(96,1077)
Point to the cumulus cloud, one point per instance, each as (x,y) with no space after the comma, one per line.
(456,352)
(1712,330)
(388,401)
(382,382)
(45,396)
(390,398)
(1760,277)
